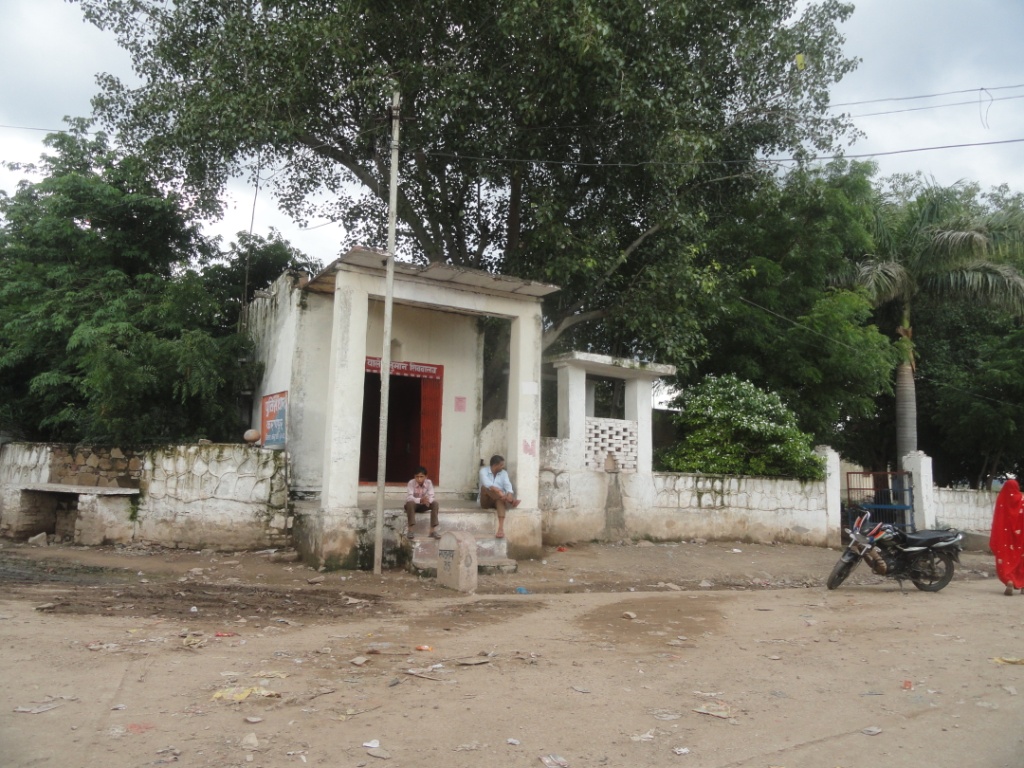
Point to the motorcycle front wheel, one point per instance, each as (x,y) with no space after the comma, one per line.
(842,569)
(931,571)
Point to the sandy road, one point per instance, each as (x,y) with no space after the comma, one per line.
(748,677)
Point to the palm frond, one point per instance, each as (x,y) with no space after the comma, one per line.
(998,285)
(884,280)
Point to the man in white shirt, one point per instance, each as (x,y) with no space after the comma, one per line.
(496,491)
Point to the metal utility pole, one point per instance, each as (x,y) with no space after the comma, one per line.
(385,358)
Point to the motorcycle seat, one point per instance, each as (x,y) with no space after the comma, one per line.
(929,538)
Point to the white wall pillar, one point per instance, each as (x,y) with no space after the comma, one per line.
(572,413)
(919,465)
(638,408)
(833,523)
(345,398)
(523,458)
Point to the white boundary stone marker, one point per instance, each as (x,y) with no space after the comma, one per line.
(456,561)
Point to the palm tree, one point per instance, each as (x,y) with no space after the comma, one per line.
(938,241)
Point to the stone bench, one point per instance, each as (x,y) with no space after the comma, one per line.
(88,515)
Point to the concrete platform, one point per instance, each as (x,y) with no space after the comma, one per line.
(491,553)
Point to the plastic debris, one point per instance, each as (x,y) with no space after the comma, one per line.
(240,693)
(872,731)
(372,744)
(681,750)
(554,761)
(715,709)
(522,591)
(424,648)
(250,742)
(38,709)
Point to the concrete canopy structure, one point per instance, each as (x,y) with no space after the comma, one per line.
(576,425)
(321,342)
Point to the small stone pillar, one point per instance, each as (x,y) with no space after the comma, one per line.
(456,561)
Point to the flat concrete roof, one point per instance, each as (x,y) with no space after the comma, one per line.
(611,367)
(464,278)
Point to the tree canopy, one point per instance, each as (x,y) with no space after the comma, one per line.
(577,142)
(784,328)
(944,243)
(110,330)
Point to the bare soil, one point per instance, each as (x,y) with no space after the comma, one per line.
(715,654)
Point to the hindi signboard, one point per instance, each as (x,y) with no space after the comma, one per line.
(272,422)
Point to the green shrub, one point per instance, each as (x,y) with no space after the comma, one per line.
(733,428)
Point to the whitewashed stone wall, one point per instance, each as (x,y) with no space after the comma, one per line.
(24,463)
(232,496)
(585,505)
(964,509)
(733,508)
(218,495)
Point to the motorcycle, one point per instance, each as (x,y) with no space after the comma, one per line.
(924,557)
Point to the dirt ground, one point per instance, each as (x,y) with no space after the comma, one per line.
(719,654)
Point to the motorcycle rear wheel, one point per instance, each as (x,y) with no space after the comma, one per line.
(841,570)
(931,571)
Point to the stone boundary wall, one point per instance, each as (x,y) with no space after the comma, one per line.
(24,464)
(965,509)
(228,496)
(587,505)
(100,466)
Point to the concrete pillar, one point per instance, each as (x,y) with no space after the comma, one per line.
(572,413)
(919,465)
(523,458)
(638,409)
(833,523)
(345,397)
(457,561)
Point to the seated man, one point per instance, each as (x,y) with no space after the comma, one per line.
(496,491)
(419,497)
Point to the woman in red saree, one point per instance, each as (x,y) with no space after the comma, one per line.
(1007,538)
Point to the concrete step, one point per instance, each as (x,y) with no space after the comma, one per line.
(491,553)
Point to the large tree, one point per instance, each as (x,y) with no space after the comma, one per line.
(581,142)
(944,243)
(784,328)
(110,329)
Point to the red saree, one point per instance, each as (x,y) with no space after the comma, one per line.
(1007,538)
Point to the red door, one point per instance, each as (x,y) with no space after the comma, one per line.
(414,421)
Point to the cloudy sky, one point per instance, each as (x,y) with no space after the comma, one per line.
(964,56)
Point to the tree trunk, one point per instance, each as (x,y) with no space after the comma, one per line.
(906,412)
